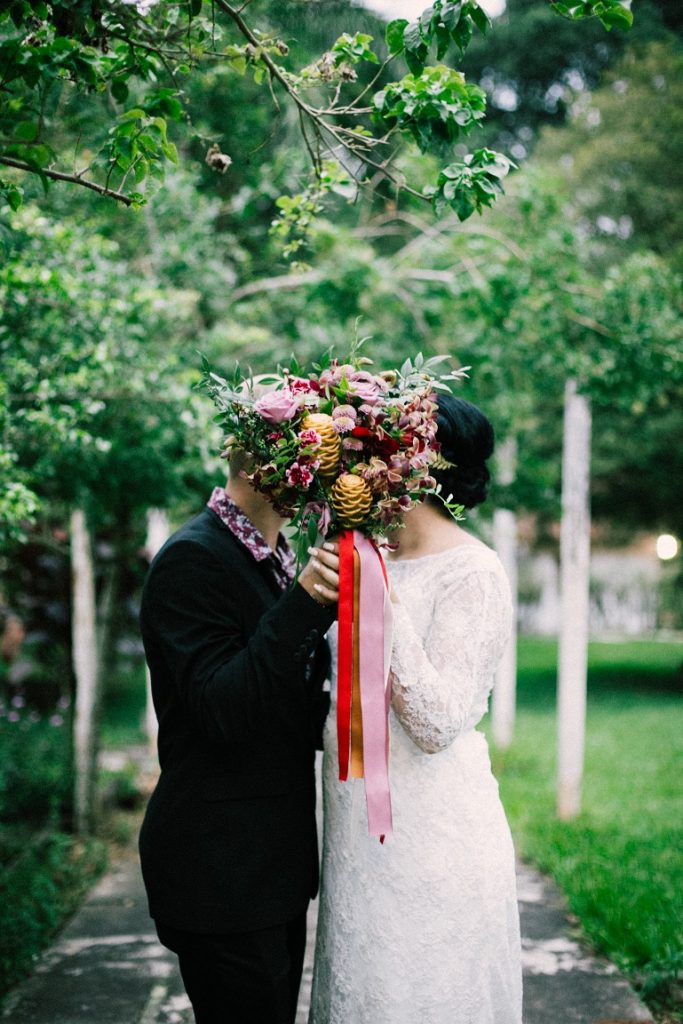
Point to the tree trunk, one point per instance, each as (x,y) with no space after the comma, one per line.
(574,600)
(158,531)
(505,543)
(85,663)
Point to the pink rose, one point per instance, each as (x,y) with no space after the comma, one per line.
(366,386)
(277,406)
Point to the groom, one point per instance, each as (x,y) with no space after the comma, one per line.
(237,661)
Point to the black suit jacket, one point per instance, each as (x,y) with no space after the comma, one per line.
(229,840)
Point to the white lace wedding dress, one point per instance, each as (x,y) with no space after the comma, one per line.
(425,928)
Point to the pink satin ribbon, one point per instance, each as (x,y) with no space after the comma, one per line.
(375,652)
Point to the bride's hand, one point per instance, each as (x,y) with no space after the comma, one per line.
(320,576)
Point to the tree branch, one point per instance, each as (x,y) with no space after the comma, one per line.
(445,226)
(273,69)
(446,277)
(75,179)
(592,325)
(271,284)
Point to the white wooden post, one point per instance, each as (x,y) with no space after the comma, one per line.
(86,670)
(158,531)
(505,543)
(574,600)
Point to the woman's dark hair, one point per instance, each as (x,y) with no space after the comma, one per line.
(467,439)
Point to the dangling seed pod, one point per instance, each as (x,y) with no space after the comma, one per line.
(351,499)
(329,451)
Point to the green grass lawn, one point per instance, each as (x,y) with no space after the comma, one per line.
(620,862)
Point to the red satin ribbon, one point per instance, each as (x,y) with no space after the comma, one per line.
(345,651)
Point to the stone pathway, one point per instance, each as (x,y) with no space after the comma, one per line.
(107,966)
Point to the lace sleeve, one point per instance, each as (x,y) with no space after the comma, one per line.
(440,686)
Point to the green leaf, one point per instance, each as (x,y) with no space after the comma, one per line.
(425,20)
(412,37)
(14,194)
(170,152)
(172,107)
(480,17)
(416,59)
(40,155)
(119,130)
(134,114)
(239,64)
(394,34)
(617,17)
(450,14)
(27,131)
(609,12)
(435,107)
(195,8)
(140,171)
(148,142)
(354,48)
(119,90)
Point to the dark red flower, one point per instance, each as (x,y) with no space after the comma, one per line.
(383,447)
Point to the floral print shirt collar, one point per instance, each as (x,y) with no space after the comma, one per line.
(241,526)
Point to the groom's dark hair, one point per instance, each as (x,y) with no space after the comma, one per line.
(467,440)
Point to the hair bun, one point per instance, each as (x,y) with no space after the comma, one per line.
(466,438)
(471,484)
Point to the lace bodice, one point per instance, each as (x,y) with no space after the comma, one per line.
(426,928)
(450,628)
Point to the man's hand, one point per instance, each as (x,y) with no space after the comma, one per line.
(320,577)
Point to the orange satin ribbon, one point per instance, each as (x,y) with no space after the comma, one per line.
(356,713)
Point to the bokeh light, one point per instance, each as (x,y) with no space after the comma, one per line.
(667,547)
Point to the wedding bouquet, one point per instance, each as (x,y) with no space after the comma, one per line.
(344,451)
(339,447)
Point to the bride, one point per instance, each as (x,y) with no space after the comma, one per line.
(425,928)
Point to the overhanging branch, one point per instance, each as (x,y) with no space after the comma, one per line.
(74,179)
